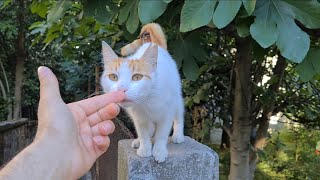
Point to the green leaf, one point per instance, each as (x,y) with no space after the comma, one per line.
(124,12)
(133,20)
(150,10)
(38,27)
(103,11)
(264,29)
(249,5)
(40,8)
(292,42)
(195,14)
(167,1)
(243,27)
(265,33)
(5,4)
(225,12)
(187,52)
(310,66)
(58,11)
(190,68)
(307,12)
(275,23)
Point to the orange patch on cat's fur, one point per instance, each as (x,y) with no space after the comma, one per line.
(136,66)
(156,35)
(140,67)
(114,65)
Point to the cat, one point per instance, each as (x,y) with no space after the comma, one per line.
(150,79)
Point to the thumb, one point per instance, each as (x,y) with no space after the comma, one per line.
(49,86)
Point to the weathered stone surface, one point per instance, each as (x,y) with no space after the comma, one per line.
(189,160)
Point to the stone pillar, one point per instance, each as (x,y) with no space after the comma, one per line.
(189,160)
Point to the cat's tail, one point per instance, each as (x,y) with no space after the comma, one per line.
(151,32)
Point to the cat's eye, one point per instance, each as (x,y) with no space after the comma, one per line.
(137,77)
(113,77)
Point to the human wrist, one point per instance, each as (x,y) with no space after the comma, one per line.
(42,159)
(55,152)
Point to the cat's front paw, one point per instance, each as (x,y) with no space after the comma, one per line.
(144,152)
(177,138)
(135,143)
(160,153)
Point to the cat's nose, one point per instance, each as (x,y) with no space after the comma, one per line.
(122,89)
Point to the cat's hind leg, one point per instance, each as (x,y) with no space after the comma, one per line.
(178,125)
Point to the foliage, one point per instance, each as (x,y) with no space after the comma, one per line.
(290,154)
(202,36)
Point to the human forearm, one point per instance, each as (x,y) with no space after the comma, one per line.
(40,160)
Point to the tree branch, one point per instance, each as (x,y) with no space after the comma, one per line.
(278,70)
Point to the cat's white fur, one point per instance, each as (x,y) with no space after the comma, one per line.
(156,105)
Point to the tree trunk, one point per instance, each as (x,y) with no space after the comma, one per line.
(241,125)
(21,55)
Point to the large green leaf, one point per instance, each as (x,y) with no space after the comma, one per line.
(190,68)
(38,27)
(264,29)
(310,66)
(275,23)
(124,12)
(101,10)
(265,33)
(292,42)
(133,20)
(305,11)
(58,11)
(195,14)
(150,10)
(225,12)
(249,5)
(187,52)
(40,7)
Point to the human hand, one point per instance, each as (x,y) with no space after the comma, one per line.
(81,128)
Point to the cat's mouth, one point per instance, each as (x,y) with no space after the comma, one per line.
(127,101)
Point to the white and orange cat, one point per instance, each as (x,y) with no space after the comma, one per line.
(150,79)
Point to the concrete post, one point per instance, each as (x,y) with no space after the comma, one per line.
(189,160)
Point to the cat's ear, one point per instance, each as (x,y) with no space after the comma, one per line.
(151,56)
(107,53)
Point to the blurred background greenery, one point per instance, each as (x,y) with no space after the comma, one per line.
(210,41)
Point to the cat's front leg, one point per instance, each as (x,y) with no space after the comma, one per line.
(160,150)
(144,139)
(136,143)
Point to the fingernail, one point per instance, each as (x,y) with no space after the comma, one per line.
(42,70)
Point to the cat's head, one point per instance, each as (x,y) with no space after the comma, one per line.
(134,77)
